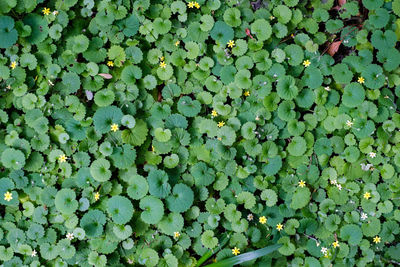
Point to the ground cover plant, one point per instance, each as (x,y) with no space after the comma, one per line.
(172,133)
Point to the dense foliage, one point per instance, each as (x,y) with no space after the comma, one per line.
(140,132)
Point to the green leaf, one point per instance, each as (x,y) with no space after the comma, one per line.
(351,233)
(181,199)
(13,159)
(104,117)
(65,201)
(8,35)
(300,198)
(120,208)
(353,95)
(153,209)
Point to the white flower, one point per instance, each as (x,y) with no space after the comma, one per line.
(334,182)
(34,253)
(349,123)
(257,118)
(250,217)
(70,236)
(339,186)
(366,167)
(327,88)
(372,154)
(324,250)
(364,216)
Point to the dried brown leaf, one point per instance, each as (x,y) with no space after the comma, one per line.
(105,75)
(334,47)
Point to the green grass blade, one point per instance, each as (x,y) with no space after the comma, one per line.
(210,252)
(245,257)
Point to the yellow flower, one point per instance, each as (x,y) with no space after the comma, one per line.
(247,93)
(214,113)
(302,183)
(231,43)
(62,158)
(162,58)
(13,65)
(271,17)
(114,127)
(110,63)
(236,251)
(7,196)
(361,80)
(196,5)
(306,63)
(335,244)
(190,4)
(367,195)
(163,65)
(377,239)
(279,227)
(153,149)
(46,11)
(97,196)
(177,234)
(177,43)
(220,124)
(262,220)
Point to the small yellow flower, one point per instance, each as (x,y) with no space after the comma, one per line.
(177,234)
(190,4)
(247,93)
(214,113)
(302,183)
(97,196)
(236,251)
(220,124)
(231,43)
(62,158)
(163,65)
(367,195)
(7,196)
(110,63)
(335,244)
(196,5)
(279,227)
(306,63)
(153,149)
(114,127)
(13,65)
(361,80)
(46,11)
(377,239)
(162,58)
(177,43)
(271,17)
(219,138)
(262,220)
